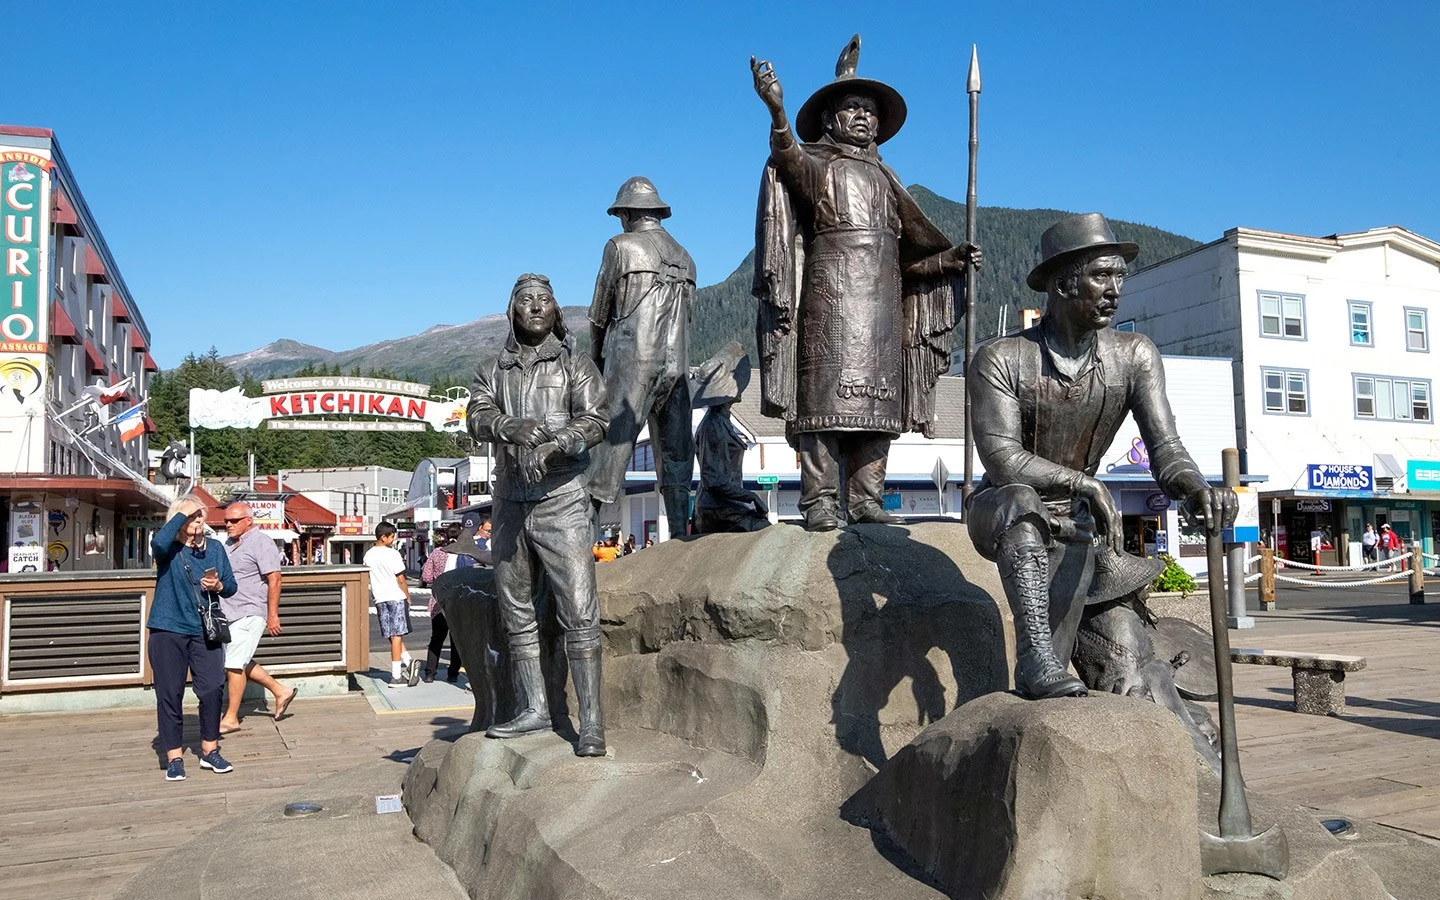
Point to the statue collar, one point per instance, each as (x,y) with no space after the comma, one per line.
(831,148)
(1068,367)
(518,354)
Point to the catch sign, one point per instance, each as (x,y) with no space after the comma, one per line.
(1342,480)
(22,200)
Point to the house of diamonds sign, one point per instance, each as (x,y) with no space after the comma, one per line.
(331,404)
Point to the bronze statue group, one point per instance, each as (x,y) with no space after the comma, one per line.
(855,290)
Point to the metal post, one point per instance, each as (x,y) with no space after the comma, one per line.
(1417,574)
(1234,553)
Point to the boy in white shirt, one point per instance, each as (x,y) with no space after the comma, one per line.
(392,603)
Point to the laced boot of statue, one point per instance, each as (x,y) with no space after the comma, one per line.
(535,712)
(1039,675)
(585,671)
(677,509)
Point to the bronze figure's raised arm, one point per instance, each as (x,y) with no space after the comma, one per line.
(855,288)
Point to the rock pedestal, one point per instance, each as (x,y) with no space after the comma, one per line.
(1007,798)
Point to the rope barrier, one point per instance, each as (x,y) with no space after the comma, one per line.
(1394,576)
(1281,561)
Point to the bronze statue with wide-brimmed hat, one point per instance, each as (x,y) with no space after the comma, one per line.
(855,288)
(1047,404)
(640,339)
(723,503)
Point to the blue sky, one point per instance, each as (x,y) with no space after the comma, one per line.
(343,172)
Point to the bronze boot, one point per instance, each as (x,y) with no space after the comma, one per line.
(530,691)
(585,671)
(1039,675)
(677,509)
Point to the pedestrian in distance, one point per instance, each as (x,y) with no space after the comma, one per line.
(253,611)
(438,563)
(189,569)
(392,603)
(1368,540)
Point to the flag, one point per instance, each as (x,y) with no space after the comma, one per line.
(105,394)
(132,423)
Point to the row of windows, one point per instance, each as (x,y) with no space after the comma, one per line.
(1283,316)
(1287,393)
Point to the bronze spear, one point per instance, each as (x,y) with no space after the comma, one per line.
(972,87)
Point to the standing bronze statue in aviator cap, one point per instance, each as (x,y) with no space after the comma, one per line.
(856,291)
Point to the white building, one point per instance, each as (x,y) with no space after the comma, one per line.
(73,491)
(359,496)
(1333,376)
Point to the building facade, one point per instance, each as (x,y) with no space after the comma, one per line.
(73,491)
(1333,375)
(357,496)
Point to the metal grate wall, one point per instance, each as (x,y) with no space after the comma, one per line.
(79,636)
(312,632)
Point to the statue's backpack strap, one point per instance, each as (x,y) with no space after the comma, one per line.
(1029,366)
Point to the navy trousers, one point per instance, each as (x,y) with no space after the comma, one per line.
(171,656)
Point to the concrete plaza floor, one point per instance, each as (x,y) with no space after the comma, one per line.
(86,804)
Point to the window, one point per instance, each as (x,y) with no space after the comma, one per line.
(1127,325)
(1287,391)
(1417,331)
(1361,334)
(1392,399)
(1282,316)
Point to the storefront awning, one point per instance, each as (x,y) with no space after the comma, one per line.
(279,534)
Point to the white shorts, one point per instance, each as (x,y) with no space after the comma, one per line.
(245,635)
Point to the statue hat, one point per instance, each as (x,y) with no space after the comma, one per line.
(639,193)
(809,121)
(1073,234)
(722,378)
(1119,574)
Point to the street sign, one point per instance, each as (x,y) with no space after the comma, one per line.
(1247,519)
(940,474)
(768,480)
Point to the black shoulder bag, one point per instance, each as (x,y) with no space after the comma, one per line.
(212,618)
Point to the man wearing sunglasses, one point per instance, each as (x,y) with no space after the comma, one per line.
(253,610)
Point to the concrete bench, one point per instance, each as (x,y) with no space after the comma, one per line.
(1319,677)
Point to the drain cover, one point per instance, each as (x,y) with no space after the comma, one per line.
(1338,827)
(298,810)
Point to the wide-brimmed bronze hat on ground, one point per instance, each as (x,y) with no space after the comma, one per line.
(1075,234)
(639,193)
(808,122)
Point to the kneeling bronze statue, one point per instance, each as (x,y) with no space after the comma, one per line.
(1047,403)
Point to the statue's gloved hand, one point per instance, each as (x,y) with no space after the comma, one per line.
(957,259)
(525,432)
(760,506)
(1108,524)
(1215,508)
(534,464)
(767,85)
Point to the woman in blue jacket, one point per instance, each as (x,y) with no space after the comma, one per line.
(184,557)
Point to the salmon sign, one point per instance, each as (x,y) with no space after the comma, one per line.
(292,403)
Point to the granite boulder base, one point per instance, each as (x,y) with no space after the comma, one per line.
(752,684)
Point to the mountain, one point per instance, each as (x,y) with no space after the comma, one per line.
(435,352)
(726,311)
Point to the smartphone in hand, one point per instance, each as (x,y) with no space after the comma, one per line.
(211,573)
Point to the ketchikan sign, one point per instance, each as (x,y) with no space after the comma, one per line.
(336,400)
(1343,480)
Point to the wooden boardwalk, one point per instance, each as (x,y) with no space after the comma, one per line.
(86,804)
